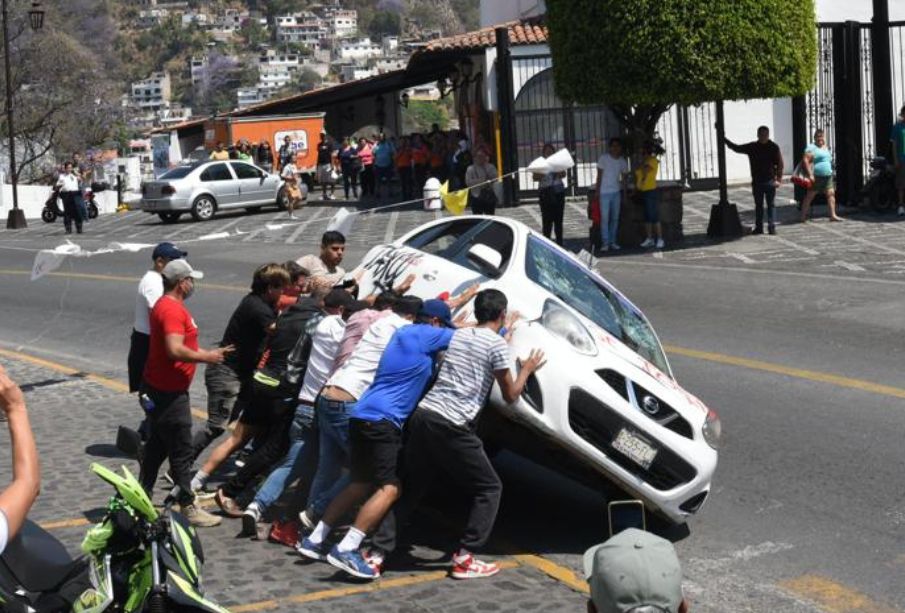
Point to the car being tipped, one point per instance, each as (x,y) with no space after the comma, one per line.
(606,406)
(204,188)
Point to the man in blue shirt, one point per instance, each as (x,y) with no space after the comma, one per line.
(384,157)
(375,433)
(897,144)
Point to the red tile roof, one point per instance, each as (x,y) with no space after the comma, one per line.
(527,32)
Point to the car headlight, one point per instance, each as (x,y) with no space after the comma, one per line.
(563,324)
(712,429)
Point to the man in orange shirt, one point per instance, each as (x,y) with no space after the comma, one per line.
(404,167)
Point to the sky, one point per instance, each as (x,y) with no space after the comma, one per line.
(856,10)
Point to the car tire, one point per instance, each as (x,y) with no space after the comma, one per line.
(253,209)
(169,216)
(281,199)
(203,208)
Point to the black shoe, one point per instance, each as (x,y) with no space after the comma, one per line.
(772,230)
(757,231)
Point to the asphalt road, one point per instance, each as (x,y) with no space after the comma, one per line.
(807,511)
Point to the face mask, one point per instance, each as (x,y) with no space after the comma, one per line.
(189,291)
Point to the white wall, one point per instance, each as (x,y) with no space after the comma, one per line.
(856,10)
(742,121)
(32,198)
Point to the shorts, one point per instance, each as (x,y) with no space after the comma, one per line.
(651,200)
(325,174)
(823,184)
(375,447)
(900,176)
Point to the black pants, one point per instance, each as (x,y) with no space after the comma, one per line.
(482,205)
(764,191)
(436,445)
(71,211)
(552,207)
(350,179)
(367,180)
(274,444)
(170,438)
(138,355)
(405,181)
(420,176)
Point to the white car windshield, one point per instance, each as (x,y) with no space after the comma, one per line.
(571,283)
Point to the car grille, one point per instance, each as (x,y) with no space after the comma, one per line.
(599,424)
(666,416)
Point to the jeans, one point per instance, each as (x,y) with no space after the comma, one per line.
(223,390)
(170,438)
(439,451)
(296,459)
(610,203)
(552,207)
(333,455)
(764,191)
(350,179)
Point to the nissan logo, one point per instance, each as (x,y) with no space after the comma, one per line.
(650,404)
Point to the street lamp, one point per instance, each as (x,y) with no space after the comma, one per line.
(16,218)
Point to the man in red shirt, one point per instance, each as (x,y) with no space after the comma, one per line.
(172,356)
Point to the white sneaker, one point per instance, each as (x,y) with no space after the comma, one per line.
(250,518)
(901,211)
(648,242)
(660,243)
(615,247)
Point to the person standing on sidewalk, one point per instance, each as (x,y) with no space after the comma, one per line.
(325,164)
(552,196)
(481,173)
(441,432)
(403,160)
(767,165)
(17,497)
(172,356)
(646,184)
(897,145)
(68,187)
(384,154)
(611,170)
(818,160)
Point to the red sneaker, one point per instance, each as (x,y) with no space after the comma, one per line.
(466,566)
(284,533)
(374,559)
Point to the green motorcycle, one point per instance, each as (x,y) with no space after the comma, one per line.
(136,559)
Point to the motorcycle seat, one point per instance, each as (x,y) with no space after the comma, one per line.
(36,560)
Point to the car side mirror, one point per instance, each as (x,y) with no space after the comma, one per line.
(487,258)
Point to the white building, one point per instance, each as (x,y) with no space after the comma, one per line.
(390,44)
(388,64)
(248,96)
(148,18)
(197,68)
(273,59)
(271,78)
(230,20)
(352,72)
(303,29)
(152,93)
(358,49)
(342,22)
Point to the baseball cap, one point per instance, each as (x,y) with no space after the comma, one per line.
(176,270)
(634,571)
(168,251)
(437,308)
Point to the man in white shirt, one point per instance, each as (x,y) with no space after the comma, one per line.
(337,400)
(20,494)
(68,187)
(325,268)
(611,170)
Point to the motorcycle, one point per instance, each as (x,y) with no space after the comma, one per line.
(136,560)
(51,211)
(880,188)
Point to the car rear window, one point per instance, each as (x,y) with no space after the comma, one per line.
(179,172)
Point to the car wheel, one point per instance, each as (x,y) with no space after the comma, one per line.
(253,209)
(203,208)
(281,199)
(169,217)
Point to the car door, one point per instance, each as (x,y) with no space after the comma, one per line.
(252,184)
(219,180)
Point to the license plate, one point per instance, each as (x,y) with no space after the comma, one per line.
(635,448)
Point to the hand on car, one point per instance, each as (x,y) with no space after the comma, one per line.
(406,284)
(11,397)
(534,362)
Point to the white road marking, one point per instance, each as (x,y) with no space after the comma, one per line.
(263,228)
(849,266)
(298,231)
(658,254)
(391,227)
(742,257)
(795,246)
(534,214)
(875,244)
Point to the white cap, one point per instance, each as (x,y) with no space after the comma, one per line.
(177,270)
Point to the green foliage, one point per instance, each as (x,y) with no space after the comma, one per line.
(469,13)
(253,33)
(307,79)
(421,114)
(384,23)
(659,52)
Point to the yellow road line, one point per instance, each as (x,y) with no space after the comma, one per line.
(116,279)
(65,523)
(560,573)
(113,384)
(833,597)
(342,592)
(789,371)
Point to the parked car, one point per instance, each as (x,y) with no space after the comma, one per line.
(204,188)
(606,404)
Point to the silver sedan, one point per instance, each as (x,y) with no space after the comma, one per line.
(204,188)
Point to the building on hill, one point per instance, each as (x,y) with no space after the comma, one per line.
(342,23)
(357,49)
(153,93)
(302,28)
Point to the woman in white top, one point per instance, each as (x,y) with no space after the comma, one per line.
(611,170)
(294,190)
(483,199)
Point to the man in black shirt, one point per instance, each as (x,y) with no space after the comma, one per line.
(229,384)
(325,154)
(767,164)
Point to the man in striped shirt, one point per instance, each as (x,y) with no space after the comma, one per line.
(442,438)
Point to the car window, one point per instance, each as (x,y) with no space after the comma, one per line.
(575,286)
(498,236)
(244,171)
(177,173)
(216,172)
(439,239)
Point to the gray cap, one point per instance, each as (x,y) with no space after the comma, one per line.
(634,572)
(176,270)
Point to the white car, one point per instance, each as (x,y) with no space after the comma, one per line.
(606,403)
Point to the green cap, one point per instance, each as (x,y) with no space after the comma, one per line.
(634,572)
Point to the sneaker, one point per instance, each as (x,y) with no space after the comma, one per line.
(601,250)
(351,562)
(901,211)
(227,504)
(313,551)
(284,533)
(615,247)
(374,558)
(308,519)
(771,230)
(466,566)
(250,518)
(660,244)
(648,242)
(199,517)
(205,494)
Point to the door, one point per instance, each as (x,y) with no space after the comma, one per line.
(253,185)
(218,179)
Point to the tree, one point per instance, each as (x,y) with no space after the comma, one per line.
(307,79)
(641,56)
(384,23)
